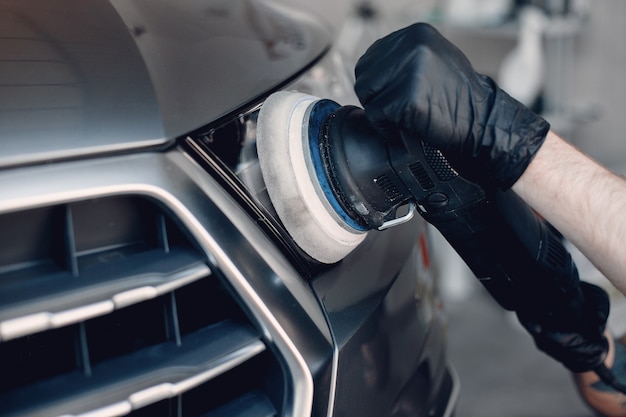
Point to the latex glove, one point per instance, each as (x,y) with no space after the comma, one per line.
(416,80)
(573,334)
(603,398)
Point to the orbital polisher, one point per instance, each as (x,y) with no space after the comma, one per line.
(333,178)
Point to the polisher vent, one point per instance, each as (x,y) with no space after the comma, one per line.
(556,254)
(443,170)
(420,174)
(390,190)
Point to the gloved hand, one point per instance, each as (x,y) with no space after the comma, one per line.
(606,399)
(416,80)
(571,333)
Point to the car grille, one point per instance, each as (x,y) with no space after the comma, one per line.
(107,308)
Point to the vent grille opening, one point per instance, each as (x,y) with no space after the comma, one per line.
(247,379)
(201,401)
(388,188)
(556,254)
(39,356)
(31,241)
(107,306)
(125,226)
(438,163)
(127,330)
(420,174)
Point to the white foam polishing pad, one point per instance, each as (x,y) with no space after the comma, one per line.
(284,156)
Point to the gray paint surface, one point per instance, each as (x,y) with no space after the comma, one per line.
(89,77)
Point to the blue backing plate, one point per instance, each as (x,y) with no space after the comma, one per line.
(320,112)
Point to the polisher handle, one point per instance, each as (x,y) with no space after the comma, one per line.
(515,255)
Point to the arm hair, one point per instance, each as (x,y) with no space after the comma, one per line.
(583,200)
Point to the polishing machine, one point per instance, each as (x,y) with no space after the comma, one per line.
(333,178)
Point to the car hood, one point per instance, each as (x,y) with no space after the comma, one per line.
(83,77)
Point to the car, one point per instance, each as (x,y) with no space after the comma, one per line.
(143,270)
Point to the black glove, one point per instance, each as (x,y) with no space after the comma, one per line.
(416,80)
(573,332)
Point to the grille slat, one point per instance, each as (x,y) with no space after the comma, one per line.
(108,308)
(25,309)
(143,378)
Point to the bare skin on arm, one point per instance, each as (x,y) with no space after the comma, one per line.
(583,200)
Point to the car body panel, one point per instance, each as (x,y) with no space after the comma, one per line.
(72,82)
(195,53)
(81,78)
(387,321)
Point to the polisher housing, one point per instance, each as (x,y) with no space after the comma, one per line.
(332,177)
(356,164)
(327,173)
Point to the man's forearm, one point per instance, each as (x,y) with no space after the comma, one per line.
(583,200)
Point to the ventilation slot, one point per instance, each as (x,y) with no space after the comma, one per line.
(107,307)
(390,190)
(556,254)
(438,163)
(420,174)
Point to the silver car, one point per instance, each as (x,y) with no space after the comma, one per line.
(143,271)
